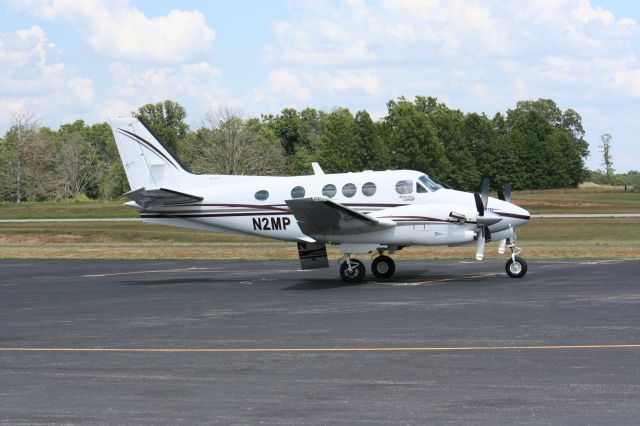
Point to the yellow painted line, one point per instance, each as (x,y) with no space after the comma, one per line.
(354,349)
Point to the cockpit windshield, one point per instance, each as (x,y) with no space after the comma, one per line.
(429,183)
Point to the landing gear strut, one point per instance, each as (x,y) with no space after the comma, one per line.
(516,266)
(351,270)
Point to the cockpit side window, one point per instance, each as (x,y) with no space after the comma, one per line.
(420,188)
(431,184)
(404,186)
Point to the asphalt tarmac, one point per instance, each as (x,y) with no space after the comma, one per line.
(234,342)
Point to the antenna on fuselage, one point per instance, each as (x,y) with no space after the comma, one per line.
(317,170)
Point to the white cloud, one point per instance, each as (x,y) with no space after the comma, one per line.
(29,63)
(628,80)
(121,31)
(344,81)
(476,56)
(197,85)
(33,76)
(284,86)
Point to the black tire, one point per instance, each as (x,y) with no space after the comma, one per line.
(356,275)
(383,267)
(516,269)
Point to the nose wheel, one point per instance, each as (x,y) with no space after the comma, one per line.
(516,267)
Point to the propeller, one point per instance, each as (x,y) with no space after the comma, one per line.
(504,195)
(483,221)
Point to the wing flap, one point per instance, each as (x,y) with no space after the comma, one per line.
(146,198)
(321,216)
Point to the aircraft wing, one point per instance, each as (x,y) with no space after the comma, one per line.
(321,216)
(160,197)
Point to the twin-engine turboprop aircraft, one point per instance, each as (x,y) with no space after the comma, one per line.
(365,212)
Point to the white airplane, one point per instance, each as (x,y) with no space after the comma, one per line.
(364,212)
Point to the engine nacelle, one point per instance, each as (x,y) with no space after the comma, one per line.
(502,235)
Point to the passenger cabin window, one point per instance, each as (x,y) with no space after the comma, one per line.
(369,189)
(404,187)
(262,195)
(297,192)
(431,184)
(349,190)
(329,190)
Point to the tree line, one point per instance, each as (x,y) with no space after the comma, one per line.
(535,145)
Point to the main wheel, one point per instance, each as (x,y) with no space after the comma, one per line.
(516,269)
(355,275)
(383,267)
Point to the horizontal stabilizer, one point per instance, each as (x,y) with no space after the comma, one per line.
(321,216)
(161,197)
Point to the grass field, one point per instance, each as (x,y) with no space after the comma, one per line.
(590,200)
(542,238)
(66,210)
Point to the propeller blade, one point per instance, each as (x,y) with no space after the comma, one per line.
(479,204)
(485,192)
(502,247)
(480,244)
(506,193)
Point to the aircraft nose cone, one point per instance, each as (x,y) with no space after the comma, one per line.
(518,215)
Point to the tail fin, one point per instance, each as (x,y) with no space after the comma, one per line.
(147,162)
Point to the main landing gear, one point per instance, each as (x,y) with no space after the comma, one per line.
(353,270)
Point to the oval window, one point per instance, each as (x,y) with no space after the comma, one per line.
(404,187)
(262,195)
(297,192)
(369,189)
(349,190)
(329,191)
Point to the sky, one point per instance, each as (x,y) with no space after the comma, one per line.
(64,60)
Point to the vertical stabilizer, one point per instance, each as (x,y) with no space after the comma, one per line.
(147,162)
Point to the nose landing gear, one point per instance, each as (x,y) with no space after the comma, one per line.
(516,266)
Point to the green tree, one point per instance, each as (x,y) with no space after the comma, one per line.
(77,162)
(458,145)
(25,160)
(412,141)
(340,148)
(607,159)
(229,144)
(374,152)
(166,121)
